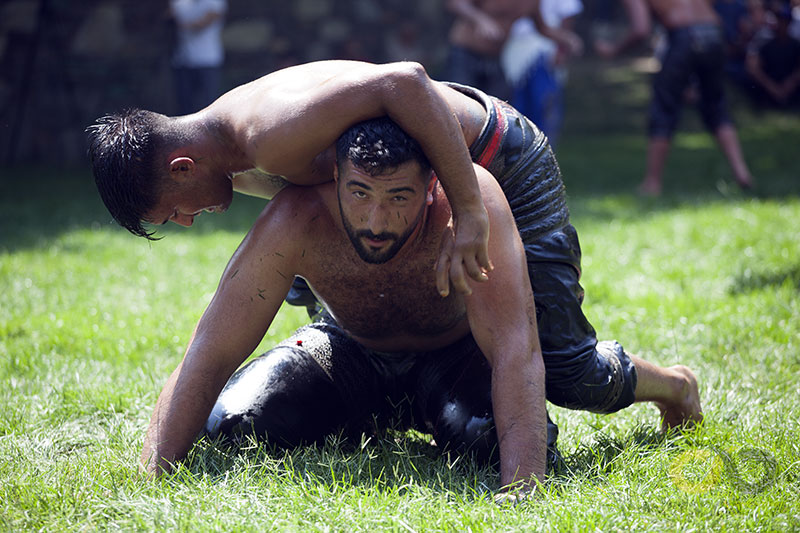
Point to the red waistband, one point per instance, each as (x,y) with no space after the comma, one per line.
(489,153)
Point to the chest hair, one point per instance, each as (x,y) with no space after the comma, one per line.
(392,299)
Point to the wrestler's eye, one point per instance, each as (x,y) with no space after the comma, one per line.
(360,194)
(399,198)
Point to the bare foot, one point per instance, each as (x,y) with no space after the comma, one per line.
(686,412)
(649,188)
(745,183)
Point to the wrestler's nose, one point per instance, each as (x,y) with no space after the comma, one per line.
(378,219)
(182,219)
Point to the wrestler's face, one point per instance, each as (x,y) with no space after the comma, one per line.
(380,213)
(185,195)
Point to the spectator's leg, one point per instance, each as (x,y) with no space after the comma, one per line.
(669,85)
(713,104)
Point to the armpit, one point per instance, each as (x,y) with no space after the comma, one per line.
(258,183)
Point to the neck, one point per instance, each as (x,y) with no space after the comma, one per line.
(215,141)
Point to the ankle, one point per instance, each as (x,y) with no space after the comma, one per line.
(680,383)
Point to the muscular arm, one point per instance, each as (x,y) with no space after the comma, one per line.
(563,36)
(249,294)
(779,91)
(485,25)
(303,110)
(640,27)
(503,321)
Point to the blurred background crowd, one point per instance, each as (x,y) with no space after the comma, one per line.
(64,63)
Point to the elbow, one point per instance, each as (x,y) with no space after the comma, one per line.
(405,84)
(409,74)
(526,361)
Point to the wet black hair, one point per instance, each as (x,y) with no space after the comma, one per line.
(123,150)
(378,146)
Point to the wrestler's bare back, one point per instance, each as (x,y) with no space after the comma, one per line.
(287,122)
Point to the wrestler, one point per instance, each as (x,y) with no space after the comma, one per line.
(696,51)
(467,368)
(279,128)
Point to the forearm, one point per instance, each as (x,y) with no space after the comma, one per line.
(417,105)
(467,10)
(640,27)
(179,415)
(757,74)
(518,399)
(562,36)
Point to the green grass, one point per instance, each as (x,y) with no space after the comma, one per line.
(92,320)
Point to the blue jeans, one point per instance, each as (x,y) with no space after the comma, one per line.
(540,98)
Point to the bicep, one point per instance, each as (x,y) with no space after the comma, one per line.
(309,108)
(304,118)
(249,294)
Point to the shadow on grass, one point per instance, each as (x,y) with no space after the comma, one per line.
(595,460)
(748,280)
(392,463)
(40,205)
(396,463)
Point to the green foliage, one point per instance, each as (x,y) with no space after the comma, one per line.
(92,320)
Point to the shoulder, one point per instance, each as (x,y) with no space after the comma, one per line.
(493,197)
(294,216)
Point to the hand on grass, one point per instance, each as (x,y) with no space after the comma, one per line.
(512,499)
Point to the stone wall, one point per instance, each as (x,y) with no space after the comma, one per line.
(65,62)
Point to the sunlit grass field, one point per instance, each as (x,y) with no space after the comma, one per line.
(92,320)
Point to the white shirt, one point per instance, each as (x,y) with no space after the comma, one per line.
(525,45)
(201,47)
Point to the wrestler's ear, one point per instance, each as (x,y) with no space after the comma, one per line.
(182,168)
(429,189)
(336,170)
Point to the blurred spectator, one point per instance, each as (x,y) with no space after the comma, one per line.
(739,24)
(535,67)
(794,27)
(198,56)
(774,63)
(695,51)
(352,48)
(476,39)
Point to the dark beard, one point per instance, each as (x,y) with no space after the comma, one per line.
(369,255)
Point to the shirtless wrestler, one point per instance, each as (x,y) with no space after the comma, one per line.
(282,127)
(696,49)
(466,368)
